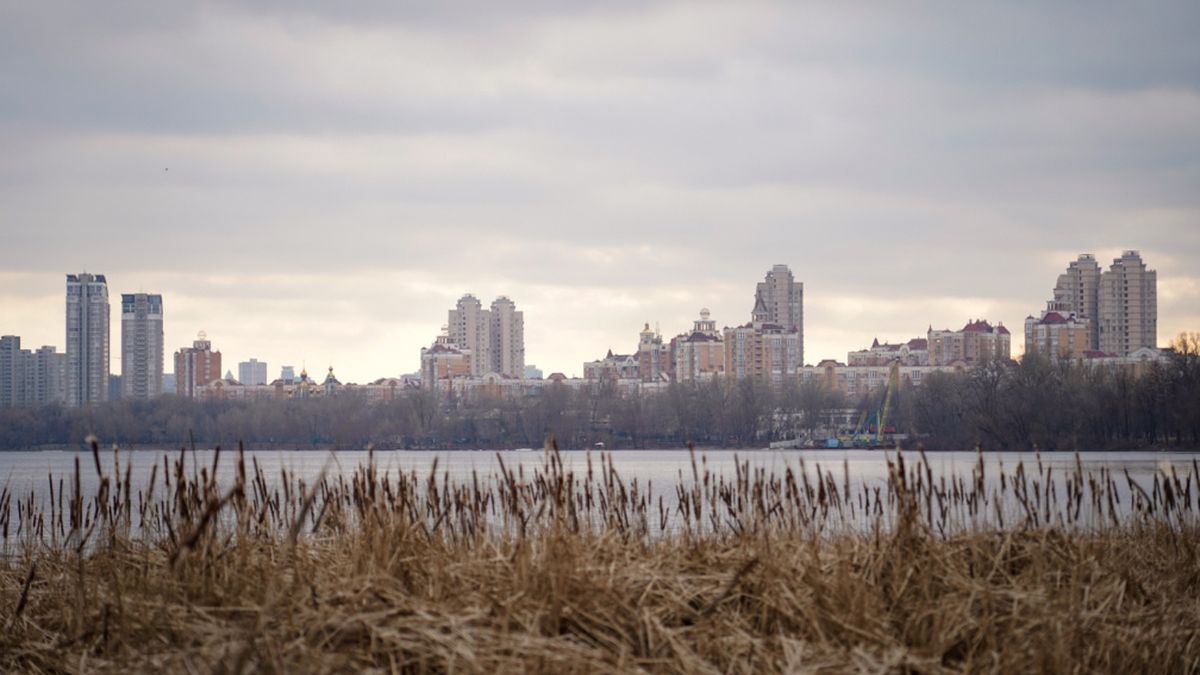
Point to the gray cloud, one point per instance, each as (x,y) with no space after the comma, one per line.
(364,165)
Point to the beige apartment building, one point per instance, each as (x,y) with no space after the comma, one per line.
(1058,333)
(1078,292)
(495,336)
(700,354)
(444,360)
(976,342)
(1128,306)
(782,299)
(915,352)
(1119,305)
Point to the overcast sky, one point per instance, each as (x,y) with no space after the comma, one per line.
(316,184)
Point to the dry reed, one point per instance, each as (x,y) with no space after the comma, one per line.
(549,570)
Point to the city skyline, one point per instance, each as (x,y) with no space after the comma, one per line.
(628,343)
(351,172)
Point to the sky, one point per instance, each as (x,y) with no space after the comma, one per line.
(316,183)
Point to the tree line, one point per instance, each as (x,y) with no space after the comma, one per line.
(1000,405)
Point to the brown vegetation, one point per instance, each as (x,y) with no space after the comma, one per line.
(546,570)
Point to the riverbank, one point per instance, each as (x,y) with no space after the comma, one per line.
(560,570)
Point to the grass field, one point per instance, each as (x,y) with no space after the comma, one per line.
(548,571)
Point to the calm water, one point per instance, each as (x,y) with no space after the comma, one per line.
(22,472)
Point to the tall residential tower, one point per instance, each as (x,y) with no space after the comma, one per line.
(1078,292)
(782,298)
(1114,311)
(468,327)
(507,338)
(87,339)
(1128,306)
(495,337)
(141,345)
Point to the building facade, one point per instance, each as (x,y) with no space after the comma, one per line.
(771,346)
(141,345)
(613,368)
(444,360)
(252,372)
(196,366)
(506,337)
(915,352)
(12,372)
(45,380)
(30,378)
(857,381)
(976,342)
(1058,333)
(469,327)
(1078,292)
(782,298)
(494,337)
(87,339)
(653,357)
(1128,306)
(698,355)
(1119,305)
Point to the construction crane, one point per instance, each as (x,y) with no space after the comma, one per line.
(893,384)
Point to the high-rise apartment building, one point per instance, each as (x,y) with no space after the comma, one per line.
(469,327)
(141,345)
(196,366)
(762,351)
(1078,292)
(494,337)
(29,378)
(771,346)
(252,372)
(1128,306)
(44,376)
(782,297)
(87,339)
(12,372)
(507,338)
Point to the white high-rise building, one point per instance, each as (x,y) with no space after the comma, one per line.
(507,338)
(252,372)
(141,345)
(1128,306)
(87,339)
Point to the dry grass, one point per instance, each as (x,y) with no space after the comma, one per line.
(554,572)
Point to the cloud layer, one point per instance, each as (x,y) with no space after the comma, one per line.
(315,184)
